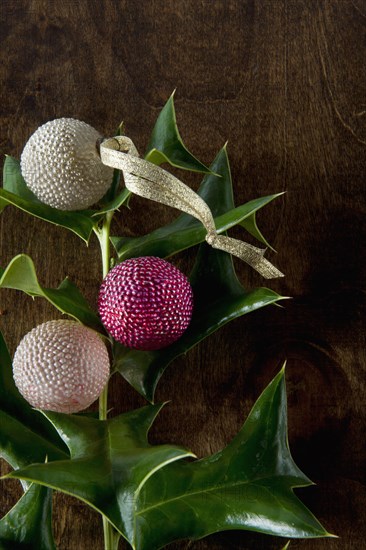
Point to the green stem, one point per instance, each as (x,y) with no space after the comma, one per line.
(103,403)
(108,535)
(103,237)
(111,536)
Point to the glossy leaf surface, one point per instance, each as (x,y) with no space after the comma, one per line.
(184,233)
(248,486)
(153,500)
(110,462)
(14,182)
(20,274)
(16,193)
(166,145)
(114,204)
(250,224)
(218,295)
(143,369)
(28,524)
(26,436)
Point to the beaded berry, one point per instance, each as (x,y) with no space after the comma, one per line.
(60,164)
(145,303)
(61,366)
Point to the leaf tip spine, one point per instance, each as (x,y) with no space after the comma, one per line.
(331,535)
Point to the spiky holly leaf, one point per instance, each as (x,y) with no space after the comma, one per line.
(28,524)
(26,436)
(14,182)
(114,204)
(248,485)
(166,144)
(110,462)
(20,274)
(16,193)
(250,224)
(219,296)
(186,232)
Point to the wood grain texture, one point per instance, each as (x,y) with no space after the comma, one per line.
(284,82)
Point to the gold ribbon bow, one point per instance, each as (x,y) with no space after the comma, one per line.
(152,182)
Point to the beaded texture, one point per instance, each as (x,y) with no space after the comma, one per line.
(61,366)
(61,165)
(145,303)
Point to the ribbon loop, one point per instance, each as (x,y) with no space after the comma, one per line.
(152,182)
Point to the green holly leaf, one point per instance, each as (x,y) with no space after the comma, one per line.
(110,462)
(143,369)
(20,274)
(14,182)
(26,436)
(218,295)
(248,485)
(166,145)
(186,232)
(250,224)
(121,198)
(16,193)
(28,524)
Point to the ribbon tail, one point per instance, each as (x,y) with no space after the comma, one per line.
(250,254)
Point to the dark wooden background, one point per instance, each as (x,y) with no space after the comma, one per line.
(284,81)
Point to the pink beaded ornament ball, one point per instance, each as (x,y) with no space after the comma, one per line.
(145,303)
(61,366)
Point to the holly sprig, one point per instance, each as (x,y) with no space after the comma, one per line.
(149,495)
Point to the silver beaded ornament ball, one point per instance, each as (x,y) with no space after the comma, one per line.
(61,366)
(61,165)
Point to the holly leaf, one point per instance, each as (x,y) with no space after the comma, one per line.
(14,182)
(166,144)
(26,436)
(114,204)
(248,485)
(20,274)
(145,491)
(184,233)
(218,295)
(15,192)
(143,369)
(28,524)
(110,462)
(250,224)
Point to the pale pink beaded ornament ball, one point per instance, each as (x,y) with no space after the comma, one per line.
(61,366)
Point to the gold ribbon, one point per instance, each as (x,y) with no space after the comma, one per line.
(152,182)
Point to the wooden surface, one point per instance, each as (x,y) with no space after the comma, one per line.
(284,81)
